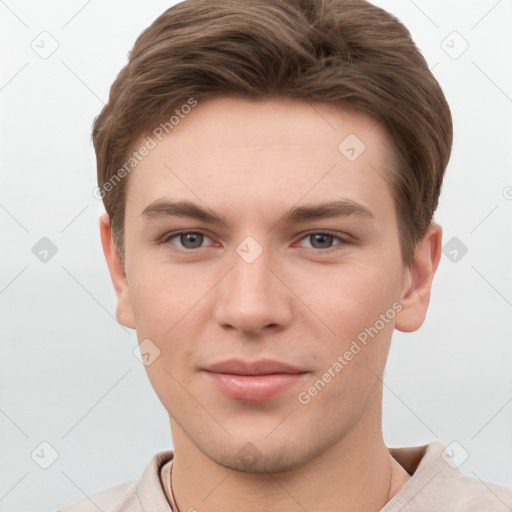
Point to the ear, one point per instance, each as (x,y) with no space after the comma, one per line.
(418,280)
(124,312)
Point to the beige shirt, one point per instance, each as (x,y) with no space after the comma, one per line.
(434,486)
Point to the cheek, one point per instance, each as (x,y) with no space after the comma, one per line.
(165,312)
(162,298)
(359,307)
(349,298)
(169,310)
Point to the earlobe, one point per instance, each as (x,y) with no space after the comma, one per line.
(124,311)
(418,282)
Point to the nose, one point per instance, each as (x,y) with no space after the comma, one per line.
(252,297)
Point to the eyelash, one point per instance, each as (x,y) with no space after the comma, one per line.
(176,234)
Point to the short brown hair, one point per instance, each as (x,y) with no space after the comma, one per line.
(332,51)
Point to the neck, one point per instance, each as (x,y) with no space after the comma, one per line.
(355,473)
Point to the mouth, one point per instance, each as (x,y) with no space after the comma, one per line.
(255,381)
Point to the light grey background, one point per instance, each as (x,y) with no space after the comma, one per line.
(68,373)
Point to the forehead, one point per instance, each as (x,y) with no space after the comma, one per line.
(272,152)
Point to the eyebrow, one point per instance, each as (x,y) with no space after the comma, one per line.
(163,208)
(295,215)
(331,209)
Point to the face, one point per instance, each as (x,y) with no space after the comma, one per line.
(251,233)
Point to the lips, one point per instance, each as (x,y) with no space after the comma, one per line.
(255,380)
(260,367)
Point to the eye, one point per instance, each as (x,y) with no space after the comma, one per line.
(322,240)
(187,239)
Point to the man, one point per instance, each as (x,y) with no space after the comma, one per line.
(270,171)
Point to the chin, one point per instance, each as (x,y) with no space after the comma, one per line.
(251,459)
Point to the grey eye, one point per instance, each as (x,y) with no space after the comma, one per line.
(191,240)
(321,240)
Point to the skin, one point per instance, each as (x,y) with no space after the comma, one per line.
(298,302)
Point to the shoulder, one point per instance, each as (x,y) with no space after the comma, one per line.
(475,495)
(103,500)
(437,484)
(142,495)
